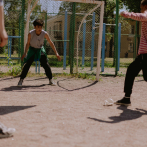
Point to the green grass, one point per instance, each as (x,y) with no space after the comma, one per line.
(15,73)
(53,61)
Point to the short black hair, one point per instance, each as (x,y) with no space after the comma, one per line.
(144,2)
(38,22)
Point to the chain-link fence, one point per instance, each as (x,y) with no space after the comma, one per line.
(12,16)
(129,42)
(62,21)
(87,38)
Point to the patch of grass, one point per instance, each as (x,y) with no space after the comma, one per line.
(121,74)
(53,61)
(77,75)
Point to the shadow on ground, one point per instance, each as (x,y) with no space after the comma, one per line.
(10,109)
(9,78)
(126,115)
(12,88)
(58,83)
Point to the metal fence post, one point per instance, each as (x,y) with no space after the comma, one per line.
(72,37)
(103,48)
(116,37)
(93,40)
(19,51)
(65,43)
(22,29)
(83,46)
(119,45)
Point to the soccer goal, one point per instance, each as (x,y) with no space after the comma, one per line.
(88,35)
(75,27)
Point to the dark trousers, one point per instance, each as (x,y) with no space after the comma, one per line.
(133,70)
(44,64)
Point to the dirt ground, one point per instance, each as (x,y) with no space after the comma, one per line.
(72,114)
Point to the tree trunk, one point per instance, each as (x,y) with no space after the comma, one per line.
(29,11)
(27,24)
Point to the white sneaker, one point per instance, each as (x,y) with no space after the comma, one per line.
(20,82)
(6,132)
(52,83)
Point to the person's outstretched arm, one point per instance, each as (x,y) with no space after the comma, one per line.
(3,33)
(52,46)
(135,16)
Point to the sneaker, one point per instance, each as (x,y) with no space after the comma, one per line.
(20,82)
(123,101)
(52,83)
(6,132)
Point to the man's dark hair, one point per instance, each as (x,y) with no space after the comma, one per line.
(38,22)
(144,2)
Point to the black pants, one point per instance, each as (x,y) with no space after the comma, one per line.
(44,64)
(133,70)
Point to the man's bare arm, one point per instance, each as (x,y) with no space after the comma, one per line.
(52,46)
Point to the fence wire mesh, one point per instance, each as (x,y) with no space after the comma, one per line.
(130,39)
(86,51)
(61,21)
(12,17)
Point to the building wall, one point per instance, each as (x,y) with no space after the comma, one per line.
(55,28)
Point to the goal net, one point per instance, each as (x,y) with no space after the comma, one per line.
(87,25)
(75,27)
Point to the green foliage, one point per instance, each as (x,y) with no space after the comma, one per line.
(13,19)
(125,25)
(14,71)
(110,6)
(91,76)
(132,5)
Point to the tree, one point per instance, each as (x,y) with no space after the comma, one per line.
(29,11)
(13,16)
(110,6)
(132,5)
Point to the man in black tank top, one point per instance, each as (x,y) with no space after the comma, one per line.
(37,52)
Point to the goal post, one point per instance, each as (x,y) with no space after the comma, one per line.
(100,42)
(84,1)
(86,16)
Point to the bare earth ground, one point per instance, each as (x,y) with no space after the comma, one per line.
(72,114)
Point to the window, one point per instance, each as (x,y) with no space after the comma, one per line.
(55,43)
(60,28)
(131,47)
(132,29)
(50,31)
(78,25)
(105,46)
(95,46)
(54,29)
(80,45)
